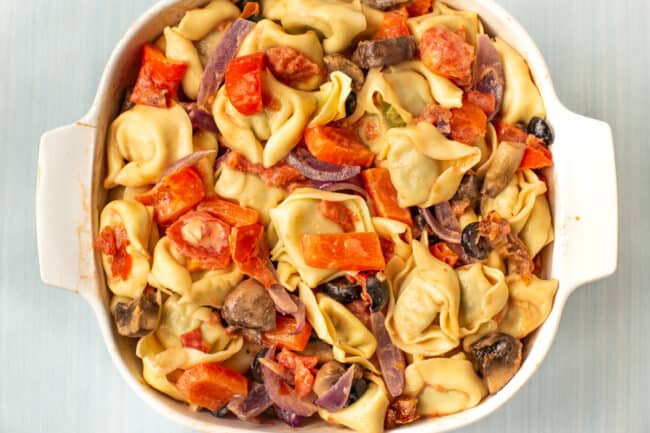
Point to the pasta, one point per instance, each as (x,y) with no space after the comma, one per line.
(198,23)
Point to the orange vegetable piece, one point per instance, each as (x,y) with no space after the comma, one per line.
(419,7)
(283,334)
(301,367)
(393,25)
(174,195)
(281,175)
(508,132)
(441,251)
(343,251)
(337,212)
(537,155)
(338,146)
(250,9)
(251,253)
(158,79)
(229,212)
(194,339)
(485,101)
(468,123)
(383,195)
(113,243)
(435,114)
(244,83)
(447,53)
(292,67)
(288,359)
(211,386)
(303,380)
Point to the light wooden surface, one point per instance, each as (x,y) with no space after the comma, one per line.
(56,375)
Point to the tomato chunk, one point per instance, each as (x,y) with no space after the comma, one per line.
(251,253)
(281,175)
(485,101)
(508,132)
(174,195)
(447,53)
(113,243)
(284,334)
(383,195)
(211,386)
(229,212)
(244,83)
(537,155)
(288,360)
(419,7)
(203,239)
(194,340)
(158,79)
(292,67)
(393,25)
(442,252)
(343,251)
(250,9)
(438,116)
(337,212)
(468,123)
(338,146)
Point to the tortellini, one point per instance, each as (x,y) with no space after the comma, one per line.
(521,99)
(280,126)
(299,215)
(183,50)
(204,140)
(538,231)
(400,236)
(483,294)
(366,415)
(444,385)
(425,167)
(331,99)
(171,274)
(375,86)
(423,317)
(529,305)
(445,16)
(143,142)
(136,219)
(162,352)
(198,23)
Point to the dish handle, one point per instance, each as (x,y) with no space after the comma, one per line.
(63,208)
(590,219)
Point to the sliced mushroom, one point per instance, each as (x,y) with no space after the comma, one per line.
(249,306)
(497,357)
(507,160)
(338,62)
(319,348)
(138,317)
(327,376)
(468,195)
(385,52)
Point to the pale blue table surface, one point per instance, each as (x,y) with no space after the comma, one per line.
(55,373)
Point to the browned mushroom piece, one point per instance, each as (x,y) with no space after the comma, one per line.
(319,348)
(327,376)
(249,306)
(338,62)
(385,52)
(403,410)
(505,162)
(497,357)
(139,316)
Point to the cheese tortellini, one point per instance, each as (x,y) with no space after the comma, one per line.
(483,294)
(331,99)
(198,23)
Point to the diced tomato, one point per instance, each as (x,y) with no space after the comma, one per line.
(387,248)
(302,369)
(203,239)
(158,79)
(113,243)
(537,155)
(284,334)
(393,25)
(288,359)
(419,7)
(211,386)
(508,132)
(437,115)
(303,380)
(292,67)
(441,251)
(244,83)
(281,175)
(343,251)
(468,123)
(229,212)
(485,101)
(251,253)
(447,53)
(250,9)
(194,340)
(383,195)
(174,195)
(338,146)
(337,212)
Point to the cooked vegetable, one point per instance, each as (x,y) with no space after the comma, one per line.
(342,289)
(350,104)
(384,4)
(448,53)
(505,162)
(338,213)
(359,388)
(442,222)
(194,340)
(200,118)
(320,349)
(419,7)
(334,387)
(473,243)
(256,367)
(489,76)
(284,335)
(536,155)
(175,194)
(468,123)
(540,129)
(229,212)
(441,251)
(317,169)
(249,305)
(350,186)
(283,396)
(301,367)
(509,246)
(281,175)
(254,404)
(215,70)
(438,116)
(113,243)
(328,375)
(336,145)
(211,386)
(293,68)
(468,195)
(338,62)
(403,410)
(343,251)
(507,132)
(251,11)
(244,83)
(377,288)
(497,357)
(485,101)
(251,253)
(290,418)
(393,25)
(139,316)
(385,52)
(158,79)
(188,161)
(391,359)
(383,195)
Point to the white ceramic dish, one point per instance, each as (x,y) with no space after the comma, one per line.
(69,195)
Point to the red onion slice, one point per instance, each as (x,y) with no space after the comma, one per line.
(201,119)
(463,257)
(290,418)
(278,370)
(251,406)
(391,359)
(488,72)
(188,161)
(336,397)
(215,70)
(283,396)
(345,187)
(444,229)
(282,300)
(315,169)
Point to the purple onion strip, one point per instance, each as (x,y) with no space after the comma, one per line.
(289,401)
(290,418)
(336,397)
(188,161)
(315,169)
(391,359)
(251,406)
(444,233)
(488,72)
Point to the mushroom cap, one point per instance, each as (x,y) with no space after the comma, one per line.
(250,306)
(139,316)
(497,357)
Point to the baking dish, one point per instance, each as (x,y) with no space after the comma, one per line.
(69,195)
